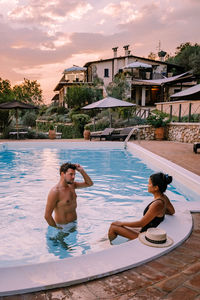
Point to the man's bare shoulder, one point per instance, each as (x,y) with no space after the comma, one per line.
(54,191)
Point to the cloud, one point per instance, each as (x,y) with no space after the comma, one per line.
(123,11)
(42,38)
(171,22)
(43,12)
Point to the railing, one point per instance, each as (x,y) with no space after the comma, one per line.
(180,109)
(143,113)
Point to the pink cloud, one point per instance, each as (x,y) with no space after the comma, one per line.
(42,38)
(40,12)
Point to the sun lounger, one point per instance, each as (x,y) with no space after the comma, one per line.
(105,134)
(121,135)
(196,146)
(21,133)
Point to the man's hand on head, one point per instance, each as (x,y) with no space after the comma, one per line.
(78,168)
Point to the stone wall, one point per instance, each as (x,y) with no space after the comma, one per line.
(183,132)
(180,132)
(144,132)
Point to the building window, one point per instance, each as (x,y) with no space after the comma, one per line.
(106,72)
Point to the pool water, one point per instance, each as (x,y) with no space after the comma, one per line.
(119,192)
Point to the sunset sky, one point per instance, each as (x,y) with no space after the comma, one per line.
(40,38)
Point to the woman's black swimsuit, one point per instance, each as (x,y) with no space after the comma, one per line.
(155,222)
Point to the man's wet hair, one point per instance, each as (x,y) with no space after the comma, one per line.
(64,167)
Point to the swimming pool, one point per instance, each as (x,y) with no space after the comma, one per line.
(119,192)
(110,198)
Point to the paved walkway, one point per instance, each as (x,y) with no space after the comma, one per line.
(173,276)
(180,153)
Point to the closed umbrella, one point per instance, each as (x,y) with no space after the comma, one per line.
(109,102)
(17,105)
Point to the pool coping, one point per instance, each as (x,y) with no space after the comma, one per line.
(187,178)
(29,278)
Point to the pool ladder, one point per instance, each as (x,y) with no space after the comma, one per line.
(134,129)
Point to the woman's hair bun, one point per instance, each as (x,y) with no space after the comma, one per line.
(168,179)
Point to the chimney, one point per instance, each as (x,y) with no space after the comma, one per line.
(126,50)
(115,51)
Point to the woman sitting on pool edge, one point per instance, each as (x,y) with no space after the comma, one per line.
(153,214)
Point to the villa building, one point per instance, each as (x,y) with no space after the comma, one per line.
(150,80)
(71,77)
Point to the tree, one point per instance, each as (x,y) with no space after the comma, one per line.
(79,96)
(28,91)
(188,56)
(6,93)
(119,87)
(152,56)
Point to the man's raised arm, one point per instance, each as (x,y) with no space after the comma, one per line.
(87,180)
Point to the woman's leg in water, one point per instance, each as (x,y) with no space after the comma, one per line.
(116,230)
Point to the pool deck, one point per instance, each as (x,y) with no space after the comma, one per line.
(173,276)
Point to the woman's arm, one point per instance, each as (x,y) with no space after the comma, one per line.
(170,210)
(154,210)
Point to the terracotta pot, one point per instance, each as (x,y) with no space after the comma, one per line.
(159,133)
(52,134)
(86,134)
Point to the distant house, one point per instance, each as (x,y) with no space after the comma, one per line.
(55,100)
(149,92)
(108,68)
(72,76)
(150,80)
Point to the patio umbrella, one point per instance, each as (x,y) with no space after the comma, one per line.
(109,102)
(16,105)
(137,64)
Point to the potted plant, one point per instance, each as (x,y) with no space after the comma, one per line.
(52,132)
(159,123)
(86,132)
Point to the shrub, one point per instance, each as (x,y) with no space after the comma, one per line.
(69,131)
(157,120)
(195,118)
(131,122)
(5,133)
(50,110)
(61,110)
(32,134)
(101,124)
(80,120)
(29,119)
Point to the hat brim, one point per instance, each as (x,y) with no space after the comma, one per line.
(142,239)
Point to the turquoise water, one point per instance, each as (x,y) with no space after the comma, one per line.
(119,192)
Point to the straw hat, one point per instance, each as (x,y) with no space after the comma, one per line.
(155,237)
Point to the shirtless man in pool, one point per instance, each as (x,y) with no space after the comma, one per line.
(62,197)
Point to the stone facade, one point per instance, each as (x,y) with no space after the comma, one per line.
(183,132)
(180,132)
(144,132)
